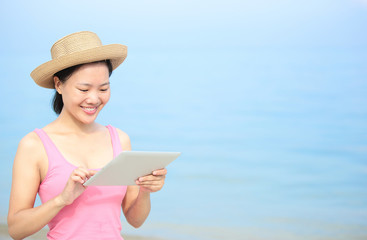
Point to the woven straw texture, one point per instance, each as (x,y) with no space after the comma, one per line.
(75,49)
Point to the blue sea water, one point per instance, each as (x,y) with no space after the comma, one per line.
(273,139)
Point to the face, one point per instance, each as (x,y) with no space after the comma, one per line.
(85,93)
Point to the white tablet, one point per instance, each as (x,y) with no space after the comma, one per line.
(128,166)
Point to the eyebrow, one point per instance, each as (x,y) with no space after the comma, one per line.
(88,84)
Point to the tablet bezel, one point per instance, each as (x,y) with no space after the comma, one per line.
(128,166)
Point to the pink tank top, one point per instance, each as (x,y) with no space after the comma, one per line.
(95,214)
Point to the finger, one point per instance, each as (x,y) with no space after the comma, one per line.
(150,183)
(85,171)
(79,172)
(77,179)
(151,188)
(82,173)
(151,178)
(160,172)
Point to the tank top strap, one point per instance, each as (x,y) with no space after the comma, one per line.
(116,144)
(49,146)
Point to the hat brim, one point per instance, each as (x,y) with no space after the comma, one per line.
(43,74)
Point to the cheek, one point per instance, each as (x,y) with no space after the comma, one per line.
(106,97)
(72,99)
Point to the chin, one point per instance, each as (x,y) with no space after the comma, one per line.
(88,119)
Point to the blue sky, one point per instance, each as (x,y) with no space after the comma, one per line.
(31,26)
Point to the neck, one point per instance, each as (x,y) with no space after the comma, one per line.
(68,123)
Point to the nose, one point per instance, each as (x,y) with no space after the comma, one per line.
(93,98)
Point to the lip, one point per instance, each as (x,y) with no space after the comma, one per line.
(89,110)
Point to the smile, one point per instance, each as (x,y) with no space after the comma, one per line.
(89,110)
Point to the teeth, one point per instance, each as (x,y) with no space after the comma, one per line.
(89,109)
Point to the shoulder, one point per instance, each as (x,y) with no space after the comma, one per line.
(30,149)
(30,142)
(122,135)
(124,140)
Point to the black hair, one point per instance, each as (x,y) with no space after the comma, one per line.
(64,75)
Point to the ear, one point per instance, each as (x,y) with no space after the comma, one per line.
(58,84)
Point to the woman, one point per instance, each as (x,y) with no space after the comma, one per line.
(55,161)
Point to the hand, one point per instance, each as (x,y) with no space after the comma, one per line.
(152,182)
(74,186)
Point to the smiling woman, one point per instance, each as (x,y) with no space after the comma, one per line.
(56,160)
(86,89)
(64,75)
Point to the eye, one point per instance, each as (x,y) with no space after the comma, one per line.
(104,89)
(83,90)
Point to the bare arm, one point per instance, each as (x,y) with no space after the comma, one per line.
(136,204)
(23,219)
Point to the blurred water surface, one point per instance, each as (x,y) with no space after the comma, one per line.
(273,139)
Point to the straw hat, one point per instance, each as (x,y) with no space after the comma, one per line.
(75,49)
